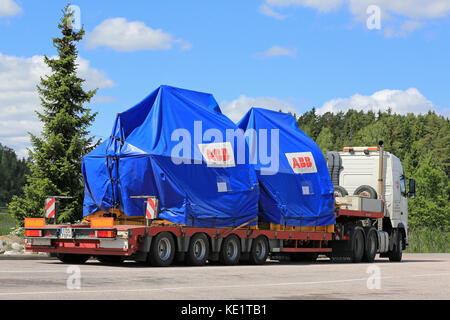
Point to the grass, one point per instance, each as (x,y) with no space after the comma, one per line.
(6,223)
(425,240)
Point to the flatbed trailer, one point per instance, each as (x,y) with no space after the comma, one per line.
(355,239)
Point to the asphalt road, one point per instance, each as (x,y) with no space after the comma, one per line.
(418,276)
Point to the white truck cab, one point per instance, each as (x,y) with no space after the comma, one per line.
(358,171)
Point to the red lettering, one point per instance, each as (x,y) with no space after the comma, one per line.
(295,163)
(302,162)
(308,162)
(218,154)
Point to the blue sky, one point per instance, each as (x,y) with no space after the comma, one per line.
(288,54)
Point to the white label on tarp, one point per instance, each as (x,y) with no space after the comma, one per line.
(217,154)
(305,190)
(302,162)
(222,187)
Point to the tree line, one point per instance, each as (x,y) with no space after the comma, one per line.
(12,175)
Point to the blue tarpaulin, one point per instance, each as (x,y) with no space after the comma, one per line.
(296,191)
(154,150)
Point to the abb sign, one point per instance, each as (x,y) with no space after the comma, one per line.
(218,154)
(302,162)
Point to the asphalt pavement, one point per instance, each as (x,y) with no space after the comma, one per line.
(418,276)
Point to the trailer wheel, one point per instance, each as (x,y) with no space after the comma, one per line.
(73,258)
(340,191)
(396,254)
(371,245)
(259,251)
(162,250)
(230,252)
(357,245)
(198,250)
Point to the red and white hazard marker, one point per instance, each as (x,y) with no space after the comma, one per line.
(150,212)
(50,207)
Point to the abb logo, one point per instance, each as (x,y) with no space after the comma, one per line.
(302,162)
(218,154)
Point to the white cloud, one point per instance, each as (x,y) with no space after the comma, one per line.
(401,102)
(321,5)
(277,51)
(268,11)
(122,35)
(411,13)
(19,99)
(237,108)
(9,8)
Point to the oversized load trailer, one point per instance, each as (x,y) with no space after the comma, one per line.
(140,207)
(364,227)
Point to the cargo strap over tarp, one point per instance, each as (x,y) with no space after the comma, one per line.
(154,150)
(295,185)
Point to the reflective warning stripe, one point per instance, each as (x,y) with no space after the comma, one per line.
(50,208)
(151,208)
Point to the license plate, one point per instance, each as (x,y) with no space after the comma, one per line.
(66,233)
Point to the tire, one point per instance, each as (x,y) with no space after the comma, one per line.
(198,250)
(357,245)
(110,260)
(259,251)
(340,191)
(366,191)
(396,254)
(230,252)
(371,246)
(162,250)
(72,258)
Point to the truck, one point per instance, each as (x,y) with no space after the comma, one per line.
(371,210)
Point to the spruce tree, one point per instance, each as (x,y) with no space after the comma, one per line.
(55,159)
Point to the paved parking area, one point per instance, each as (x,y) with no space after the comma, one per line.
(418,276)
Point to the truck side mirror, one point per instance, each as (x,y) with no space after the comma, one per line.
(412,188)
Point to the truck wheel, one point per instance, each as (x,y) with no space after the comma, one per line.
(110,260)
(162,250)
(259,251)
(198,250)
(231,251)
(371,245)
(340,191)
(396,254)
(366,191)
(357,245)
(73,258)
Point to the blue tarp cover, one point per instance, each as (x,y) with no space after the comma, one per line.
(139,160)
(298,191)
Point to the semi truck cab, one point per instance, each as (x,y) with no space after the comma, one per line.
(358,171)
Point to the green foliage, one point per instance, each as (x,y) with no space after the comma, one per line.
(426,240)
(7,223)
(422,142)
(12,175)
(55,160)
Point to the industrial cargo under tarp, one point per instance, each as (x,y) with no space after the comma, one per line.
(295,185)
(154,150)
